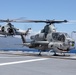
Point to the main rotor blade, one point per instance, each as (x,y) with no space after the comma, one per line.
(41,21)
(6,20)
(47,21)
(21,20)
(13,20)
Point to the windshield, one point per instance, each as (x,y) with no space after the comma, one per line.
(66,35)
(58,36)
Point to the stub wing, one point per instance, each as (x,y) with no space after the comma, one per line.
(41,42)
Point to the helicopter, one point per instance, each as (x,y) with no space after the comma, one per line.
(49,38)
(10,30)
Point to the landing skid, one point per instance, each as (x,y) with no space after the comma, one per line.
(39,54)
(55,55)
(60,55)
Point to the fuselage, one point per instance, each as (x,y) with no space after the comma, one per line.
(59,42)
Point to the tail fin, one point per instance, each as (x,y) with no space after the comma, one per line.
(27,31)
(23,39)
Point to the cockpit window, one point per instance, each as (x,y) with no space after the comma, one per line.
(58,37)
(67,35)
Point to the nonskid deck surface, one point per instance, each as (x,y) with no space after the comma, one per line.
(70,56)
(23,63)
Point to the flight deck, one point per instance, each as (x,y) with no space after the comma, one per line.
(19,63)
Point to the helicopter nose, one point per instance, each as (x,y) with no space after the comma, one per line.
(72,43)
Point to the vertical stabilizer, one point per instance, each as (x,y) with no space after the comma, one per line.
(23,39)
(26,33)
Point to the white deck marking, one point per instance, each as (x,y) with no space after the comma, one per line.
(24,61)
(11,57)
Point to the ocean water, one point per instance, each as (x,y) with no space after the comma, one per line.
(28,50)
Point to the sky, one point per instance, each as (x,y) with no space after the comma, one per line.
(39,10)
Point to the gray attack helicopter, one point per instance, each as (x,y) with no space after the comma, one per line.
(49,38)
(10,30)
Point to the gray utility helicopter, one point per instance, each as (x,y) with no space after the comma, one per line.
(49,39)
(10,30)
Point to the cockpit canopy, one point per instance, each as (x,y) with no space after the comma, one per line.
(57,36)
(10,25)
